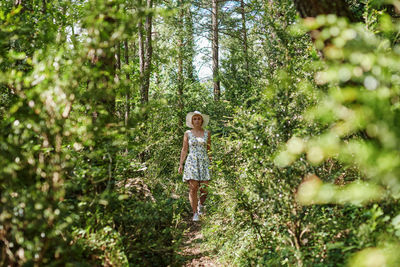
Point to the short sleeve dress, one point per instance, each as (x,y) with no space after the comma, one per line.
(197,166)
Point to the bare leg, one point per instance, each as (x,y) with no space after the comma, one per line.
(203,191)
(194,187)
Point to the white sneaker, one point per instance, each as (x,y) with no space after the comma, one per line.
(200,208)
(196,217)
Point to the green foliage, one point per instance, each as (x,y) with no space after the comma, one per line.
(254,204)
(66,157)
(305,137)
(360,112)
(261,201)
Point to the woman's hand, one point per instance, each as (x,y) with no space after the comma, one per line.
(180,169)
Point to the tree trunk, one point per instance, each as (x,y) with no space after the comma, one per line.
(313,8)
(244,36)
(73,36)
(180,62)
(44,7)
(117,59)
(148,55)
(117,66)
(141,60)
(215,67)
(128,93)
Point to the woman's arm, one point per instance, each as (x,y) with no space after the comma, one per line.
(184,152)
(209,145)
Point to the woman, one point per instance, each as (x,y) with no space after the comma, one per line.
(197,172)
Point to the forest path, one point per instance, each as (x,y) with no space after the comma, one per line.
(192,250)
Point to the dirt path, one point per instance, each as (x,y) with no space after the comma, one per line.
(192,250)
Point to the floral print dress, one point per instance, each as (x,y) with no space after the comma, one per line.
(197,166)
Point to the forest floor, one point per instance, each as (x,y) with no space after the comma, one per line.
(192,251)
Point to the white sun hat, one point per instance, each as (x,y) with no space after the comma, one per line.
(189,116)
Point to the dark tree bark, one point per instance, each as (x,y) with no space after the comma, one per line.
(117,65)
(118,56)
(215,66)
(244,36)
(141,58)
(44,6)
(128,93)
(180,62)
(313,8)
(145,54)
(149,53)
